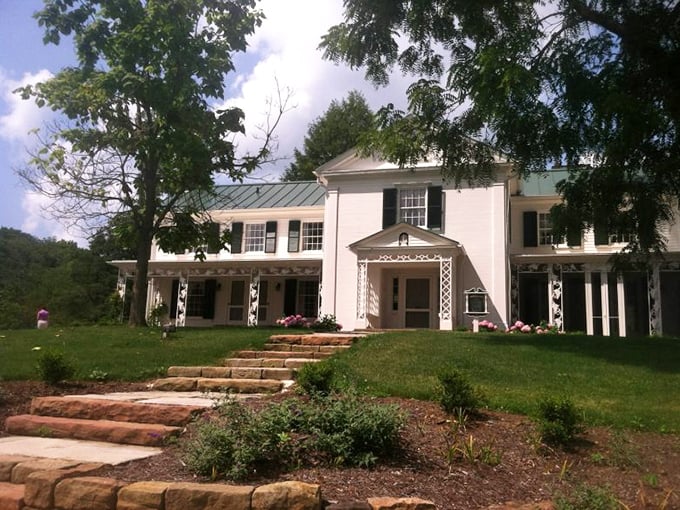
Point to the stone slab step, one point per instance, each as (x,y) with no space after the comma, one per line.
(11,496)
(98,409)
(318,351)
(313,339)
(142,434)
(218,384)
(274,354)
(243,372)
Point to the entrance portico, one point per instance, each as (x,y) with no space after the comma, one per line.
(405,279)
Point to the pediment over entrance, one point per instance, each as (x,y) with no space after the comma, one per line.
(403,236)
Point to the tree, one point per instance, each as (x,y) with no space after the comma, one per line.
(590,85)
(337,130)
(142,129)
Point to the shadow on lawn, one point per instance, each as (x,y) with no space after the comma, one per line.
(657,354)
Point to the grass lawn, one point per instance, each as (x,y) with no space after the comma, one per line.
(126,354)
(631,383)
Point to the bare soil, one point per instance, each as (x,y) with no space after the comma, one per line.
(641,469)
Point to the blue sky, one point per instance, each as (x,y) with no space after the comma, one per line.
(283,51)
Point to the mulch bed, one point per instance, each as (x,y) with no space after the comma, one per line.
(641,469)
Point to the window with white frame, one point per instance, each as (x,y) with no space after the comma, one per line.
(545,231)
(254,237)
(413,206)
(622,237)
(195,297)
(312,235)
(475,301)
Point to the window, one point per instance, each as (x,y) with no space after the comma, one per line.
(622,237)
(254,238)
(545,234)
(312,236)
(475,302)
(195,296)
(421,206)
(308,298)
(413,206)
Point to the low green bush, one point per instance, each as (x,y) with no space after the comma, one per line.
(559,421)
(53,367)
(456,394)
(316,378)
(588,497)
(239,442)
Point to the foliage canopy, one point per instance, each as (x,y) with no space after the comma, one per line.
(143,125)
(590,85)
(337,130)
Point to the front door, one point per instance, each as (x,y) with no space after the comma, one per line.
(417,311)
(237,301)
(606,299)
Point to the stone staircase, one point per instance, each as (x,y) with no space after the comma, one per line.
(258,372)
(248,373)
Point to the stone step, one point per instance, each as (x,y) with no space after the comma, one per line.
(251,372)
(314,339)
(276,354)
(218,384)
(288,362)
(142,434)
(318,351)
(99,409)
(11,496)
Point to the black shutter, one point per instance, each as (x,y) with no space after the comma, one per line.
(209,299)
(601,233)
(294,235)
(434,207)
(270,237)
(173,299)
(290,297)
(530,228)
(574,236)
(236,237)
(214,244)
(389,207)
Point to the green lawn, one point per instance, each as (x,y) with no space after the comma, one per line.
(631,383)
(127,354)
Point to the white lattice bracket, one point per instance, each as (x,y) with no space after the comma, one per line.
(556,296)
(182,295)
(654,297)
(362,276)
(446,312)
(254,297)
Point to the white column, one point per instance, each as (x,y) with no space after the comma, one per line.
(182,296)
(362,283)
(446,294)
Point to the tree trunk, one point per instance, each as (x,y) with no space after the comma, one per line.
(139,288)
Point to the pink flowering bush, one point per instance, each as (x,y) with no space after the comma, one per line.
(487,326)
(294,321)
(541,329)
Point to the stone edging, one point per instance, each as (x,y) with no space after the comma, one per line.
(65,485)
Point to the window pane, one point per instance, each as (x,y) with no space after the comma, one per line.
(308,297)
(254,237)
(195,299)
(312,236)
(413,206)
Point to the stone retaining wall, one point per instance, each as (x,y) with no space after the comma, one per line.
(62,485)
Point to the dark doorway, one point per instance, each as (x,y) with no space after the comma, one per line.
(533,298)
(637,304)
(574,301)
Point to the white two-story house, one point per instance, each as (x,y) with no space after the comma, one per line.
(382,247)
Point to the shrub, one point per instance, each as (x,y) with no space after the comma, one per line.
(587,497)
(339,430)
(326,323)
(53,367)
(456,394)
(559,421)
(316,378)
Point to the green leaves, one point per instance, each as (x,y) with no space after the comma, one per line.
(542,84)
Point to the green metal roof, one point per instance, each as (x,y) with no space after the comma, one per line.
(267,195)
(542,184)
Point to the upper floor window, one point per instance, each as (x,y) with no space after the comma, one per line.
(413,206)
(254,237)
(312,235)
(419,206)
(545,231)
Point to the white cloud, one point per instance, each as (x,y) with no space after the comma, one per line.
(38,222)
(286,45)
(22,115)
